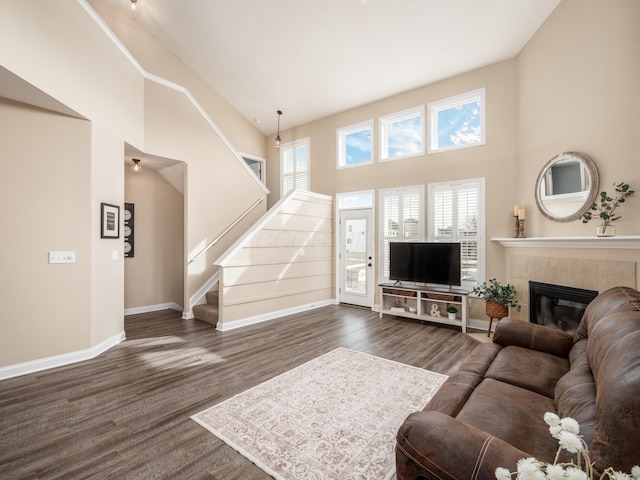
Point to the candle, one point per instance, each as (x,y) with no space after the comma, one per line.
(521,214)
(516,209)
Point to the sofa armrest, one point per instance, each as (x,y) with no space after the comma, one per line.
(438,447)
(533,336)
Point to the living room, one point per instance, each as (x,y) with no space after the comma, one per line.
(571,88)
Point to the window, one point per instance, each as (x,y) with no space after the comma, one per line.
(294,166)
(401,134)
(355,145)
(401,220)
(257,166)
(457,122)
(456,214)
(355,200)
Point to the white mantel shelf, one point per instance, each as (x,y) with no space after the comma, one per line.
(619,241)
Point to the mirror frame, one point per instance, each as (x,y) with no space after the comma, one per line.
(593,192)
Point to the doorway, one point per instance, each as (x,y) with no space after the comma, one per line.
(356,254)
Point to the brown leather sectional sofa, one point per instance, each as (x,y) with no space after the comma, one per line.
(490,413)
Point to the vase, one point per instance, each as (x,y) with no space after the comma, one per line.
(608,231)
(496,310)
(451,315)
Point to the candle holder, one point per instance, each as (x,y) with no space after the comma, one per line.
(521,228)
(516,231)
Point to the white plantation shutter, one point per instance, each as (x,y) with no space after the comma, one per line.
(294,166)
(455,216)
(402,215)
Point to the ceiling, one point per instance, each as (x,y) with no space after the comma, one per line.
(314,58)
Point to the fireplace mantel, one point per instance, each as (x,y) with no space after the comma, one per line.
(619,241)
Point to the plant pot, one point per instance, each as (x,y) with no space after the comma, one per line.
(496,310)
(608,231)
(451,315)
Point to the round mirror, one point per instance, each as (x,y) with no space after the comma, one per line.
(567,186)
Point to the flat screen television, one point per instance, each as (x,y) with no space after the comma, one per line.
(425,262)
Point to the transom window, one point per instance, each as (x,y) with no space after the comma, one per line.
(355,144)
(456,214)
(402,134)
(294,166)
(457,122)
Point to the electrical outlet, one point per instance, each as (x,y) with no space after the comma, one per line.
(62,257)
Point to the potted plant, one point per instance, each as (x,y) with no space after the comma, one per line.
(607,207)
(451,312)
(498,299)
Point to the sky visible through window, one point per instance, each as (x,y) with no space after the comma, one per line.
(459,125)
(358,147)
(405,137)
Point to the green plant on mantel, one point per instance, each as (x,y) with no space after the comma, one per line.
(452,309)
(495,291)
(607,205)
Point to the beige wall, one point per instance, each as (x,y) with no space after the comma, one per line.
(495,161)
(573,87)
(46,186)
(578,82)
(154,275)
(64,54)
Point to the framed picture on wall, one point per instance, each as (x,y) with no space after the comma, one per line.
(129,238)
(109,221)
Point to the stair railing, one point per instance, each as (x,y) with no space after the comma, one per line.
(226,230)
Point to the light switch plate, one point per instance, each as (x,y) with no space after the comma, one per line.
(62,257)
(114,254)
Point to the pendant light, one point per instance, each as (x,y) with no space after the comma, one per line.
(278,139)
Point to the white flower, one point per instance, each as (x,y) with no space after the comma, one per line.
(619,476)
(529,469)
(576,474)
(555,431)
(570,442)
(551,419)
(570,425)
(555,472)
(503,474)
(635,472)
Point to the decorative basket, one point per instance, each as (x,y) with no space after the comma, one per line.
(404,293)
(441,296)
(496,310)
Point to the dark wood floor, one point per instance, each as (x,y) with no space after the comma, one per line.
(125,414)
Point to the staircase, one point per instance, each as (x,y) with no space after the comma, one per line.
(208,312)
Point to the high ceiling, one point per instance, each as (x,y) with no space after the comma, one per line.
(313,58)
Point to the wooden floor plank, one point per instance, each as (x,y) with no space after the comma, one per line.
(126,413)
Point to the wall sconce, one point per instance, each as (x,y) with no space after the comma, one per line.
(278,139)
(133,4)
(136,164)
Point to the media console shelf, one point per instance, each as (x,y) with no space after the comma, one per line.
(422,302)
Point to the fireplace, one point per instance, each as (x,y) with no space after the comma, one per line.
(558,306)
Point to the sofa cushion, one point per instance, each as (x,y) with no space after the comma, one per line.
(575,394)
(529,369)
(454,393)
(512,414)
(619,299)
(614,357)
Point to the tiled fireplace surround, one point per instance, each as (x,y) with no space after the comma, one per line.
(592,269)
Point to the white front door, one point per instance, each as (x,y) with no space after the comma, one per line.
(356,257)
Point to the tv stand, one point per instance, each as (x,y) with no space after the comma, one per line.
(422,303)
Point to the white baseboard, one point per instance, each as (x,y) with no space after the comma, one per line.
(265,317)
(60,360)
(153,308)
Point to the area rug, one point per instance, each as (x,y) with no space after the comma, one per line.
(335,417)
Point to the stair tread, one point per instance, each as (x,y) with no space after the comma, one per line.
(206,313)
